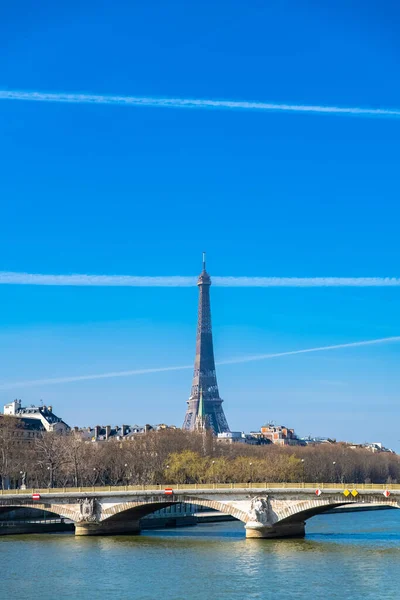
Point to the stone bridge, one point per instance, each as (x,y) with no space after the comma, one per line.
(267,510)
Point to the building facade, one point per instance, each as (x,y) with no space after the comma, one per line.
(35,418)
(119,433)
(279,435)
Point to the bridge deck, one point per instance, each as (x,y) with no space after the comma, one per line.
(253,486)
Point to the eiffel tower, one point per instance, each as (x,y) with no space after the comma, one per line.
(205,394)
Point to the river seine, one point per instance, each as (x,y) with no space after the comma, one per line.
(354,555)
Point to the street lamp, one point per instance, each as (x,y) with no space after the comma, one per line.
(251,472)
(126,476)
(50,470)
(212,470)
(303,474)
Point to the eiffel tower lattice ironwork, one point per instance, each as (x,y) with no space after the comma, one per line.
(204,376)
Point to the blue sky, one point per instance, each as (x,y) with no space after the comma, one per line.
(102,189)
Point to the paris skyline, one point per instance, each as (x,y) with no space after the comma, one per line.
(111,190)
(377,345)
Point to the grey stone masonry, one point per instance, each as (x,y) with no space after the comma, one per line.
(266,512)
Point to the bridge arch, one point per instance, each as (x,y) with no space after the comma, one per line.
(137,510)
(304,510)
(59,510)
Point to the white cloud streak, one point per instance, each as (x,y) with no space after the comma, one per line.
(57,380)
(95,280)
(73,98)
(308,350)
(306,281)
(84,280)
(231,361)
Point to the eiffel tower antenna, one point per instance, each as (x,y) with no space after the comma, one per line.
(204,395)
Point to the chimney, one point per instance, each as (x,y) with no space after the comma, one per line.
(123,428)
(96,432)
(76,429)
(108,431)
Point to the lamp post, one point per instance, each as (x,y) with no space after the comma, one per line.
(251,472)
(50,470)
(303,475)
(334,470)
(212,470)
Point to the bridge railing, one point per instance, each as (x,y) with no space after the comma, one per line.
(206,486)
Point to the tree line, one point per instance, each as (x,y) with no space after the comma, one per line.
(176,456)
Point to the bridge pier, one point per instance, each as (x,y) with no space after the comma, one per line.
(283,530)
(108,528)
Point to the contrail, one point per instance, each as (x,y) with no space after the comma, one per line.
(55,380)
(231,361)
(95,280)
(12,278)
(73,98)
(306,281)
(307,350)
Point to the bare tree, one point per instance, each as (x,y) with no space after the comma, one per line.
(51,455)
(176,456)
(12,450)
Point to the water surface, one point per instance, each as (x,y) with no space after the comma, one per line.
(354,555)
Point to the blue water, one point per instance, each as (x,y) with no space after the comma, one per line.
(346,556)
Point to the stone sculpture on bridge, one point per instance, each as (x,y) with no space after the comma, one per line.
(88,510)
(258,512)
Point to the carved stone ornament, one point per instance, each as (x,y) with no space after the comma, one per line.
(259,510)
(88,510)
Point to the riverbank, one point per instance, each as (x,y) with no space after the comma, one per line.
(40,526)
(358,508)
